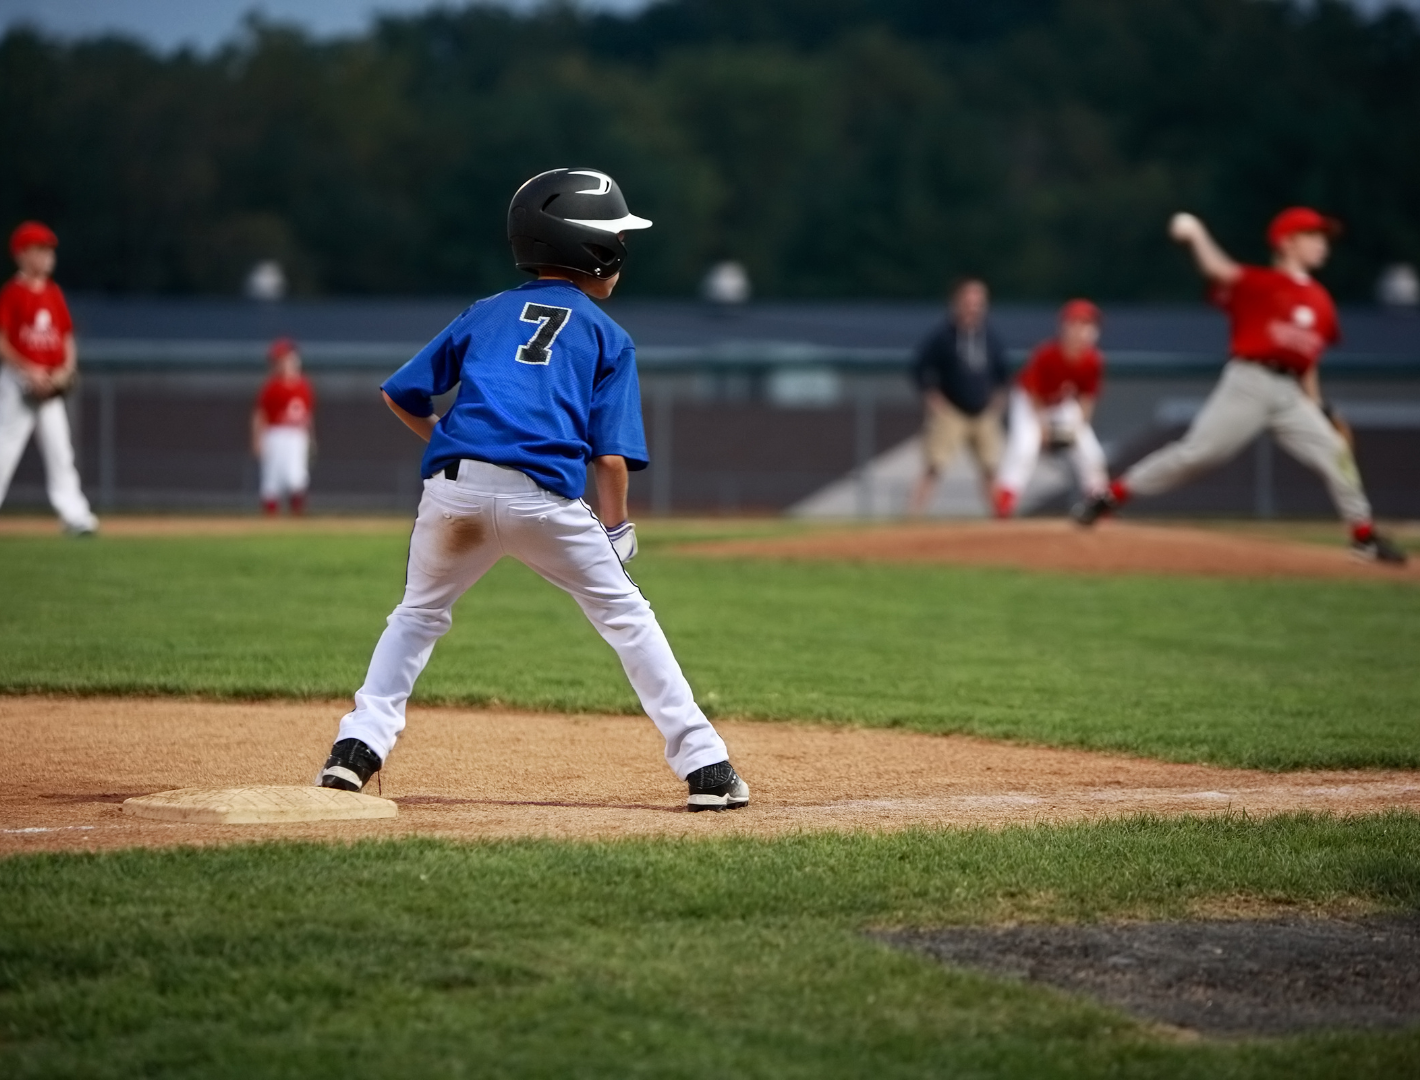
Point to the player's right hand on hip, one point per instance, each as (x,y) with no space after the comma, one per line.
(623,541)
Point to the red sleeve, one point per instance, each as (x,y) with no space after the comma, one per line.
(7,310)
(310,392)
(263,397)
(1227,296)
(63,320)
(1092,377)
(1029,378)
(1331,331)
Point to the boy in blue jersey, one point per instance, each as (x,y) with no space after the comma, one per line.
(546,383)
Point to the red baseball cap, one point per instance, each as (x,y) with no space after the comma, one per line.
(32,234)
(1297,219)
(1080,311)
(279,348)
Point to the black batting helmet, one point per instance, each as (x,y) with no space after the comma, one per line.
(570,219)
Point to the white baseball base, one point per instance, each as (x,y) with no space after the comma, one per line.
(258,805)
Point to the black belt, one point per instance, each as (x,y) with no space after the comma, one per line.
(1274,367)
(451,470)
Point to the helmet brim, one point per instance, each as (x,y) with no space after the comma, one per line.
(611,225)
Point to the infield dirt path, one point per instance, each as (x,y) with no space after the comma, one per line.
(478,773)
(1111,547)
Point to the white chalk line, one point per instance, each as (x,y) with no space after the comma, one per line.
(1020,799)
(45,828)
(86,828)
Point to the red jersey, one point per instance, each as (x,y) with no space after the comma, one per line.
(287,402)
(1277,318)
(35,321)
(1050,377)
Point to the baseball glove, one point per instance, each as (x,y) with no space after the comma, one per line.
(1059,437)
(60,383)
(1339,423)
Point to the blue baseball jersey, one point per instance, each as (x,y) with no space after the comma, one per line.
(547,381)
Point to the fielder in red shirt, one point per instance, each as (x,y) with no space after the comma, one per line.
(1282,320)
(1051,408)
(40,359)
(281,426)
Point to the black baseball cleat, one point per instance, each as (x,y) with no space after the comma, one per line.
(349,767)
(1088,511)
(1376,548)
(716,787)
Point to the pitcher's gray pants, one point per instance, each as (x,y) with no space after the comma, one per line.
(1248,400)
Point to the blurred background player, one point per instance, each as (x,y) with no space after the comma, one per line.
(40,361)
(1282,321)
(962,373)
(281,426)
(1052,406)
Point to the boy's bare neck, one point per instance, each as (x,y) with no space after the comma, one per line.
(594,288)
(554,276)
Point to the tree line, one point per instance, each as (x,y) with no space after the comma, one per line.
(835,147)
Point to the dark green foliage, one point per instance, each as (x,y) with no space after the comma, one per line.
(654,958)
(1277,674)
(838,147)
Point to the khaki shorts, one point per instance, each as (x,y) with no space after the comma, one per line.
(947,429)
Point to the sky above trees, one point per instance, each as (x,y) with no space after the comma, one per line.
(169,24)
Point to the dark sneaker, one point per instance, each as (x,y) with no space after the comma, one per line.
(349,767)
(716,787)
(1376,548)
(1088,511)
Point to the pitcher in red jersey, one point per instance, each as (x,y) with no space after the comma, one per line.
(40,359)
(281,427)
(1282,321)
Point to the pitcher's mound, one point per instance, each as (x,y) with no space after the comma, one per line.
(1112,547)
(258,805)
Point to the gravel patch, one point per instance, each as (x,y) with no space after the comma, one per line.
(1264,977)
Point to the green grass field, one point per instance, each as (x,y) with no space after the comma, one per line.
(675,958)
(1275,674)
(662,958)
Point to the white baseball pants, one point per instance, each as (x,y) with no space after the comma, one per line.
(462,529)
(1024,440)
(285,461)
(49,424)
(1248,400)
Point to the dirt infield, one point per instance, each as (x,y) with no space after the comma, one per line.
(476,773)
(1111,547)
(1033,544)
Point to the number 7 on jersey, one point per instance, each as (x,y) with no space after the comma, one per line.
(550,321)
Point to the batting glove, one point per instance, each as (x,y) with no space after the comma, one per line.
(623,541)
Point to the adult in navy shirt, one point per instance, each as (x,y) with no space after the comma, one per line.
(963,375)
(546,384)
